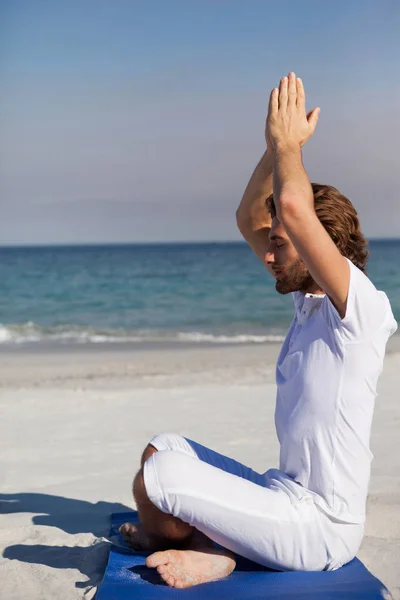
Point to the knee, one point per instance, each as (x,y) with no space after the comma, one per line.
(172,464)
(168,464)
(161,438)
(172,441)
(148,451)
(165,441)
(166,474)
(139,489)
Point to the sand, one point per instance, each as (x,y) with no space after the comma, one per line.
(75,420)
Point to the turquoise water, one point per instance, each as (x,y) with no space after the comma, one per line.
(164,292)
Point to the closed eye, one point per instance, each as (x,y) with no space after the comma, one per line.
(280,241)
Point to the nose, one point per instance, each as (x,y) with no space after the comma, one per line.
(269,257)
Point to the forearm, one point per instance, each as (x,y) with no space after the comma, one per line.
(252,210)
(293,193)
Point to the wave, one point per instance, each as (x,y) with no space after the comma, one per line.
(239,338)
(31,332)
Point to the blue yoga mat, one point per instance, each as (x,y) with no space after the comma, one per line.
(128,578)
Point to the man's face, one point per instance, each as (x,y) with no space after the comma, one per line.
(284,263)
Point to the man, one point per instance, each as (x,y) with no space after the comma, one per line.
(309,513)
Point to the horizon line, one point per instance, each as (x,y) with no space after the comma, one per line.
(154,243)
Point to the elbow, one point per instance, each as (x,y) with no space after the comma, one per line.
(244,226)
(241,221)
(291,208)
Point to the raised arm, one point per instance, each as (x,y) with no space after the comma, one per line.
(252,217)
(288,125)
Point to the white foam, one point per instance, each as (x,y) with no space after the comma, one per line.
(5,334)
(30,332)
(223,339)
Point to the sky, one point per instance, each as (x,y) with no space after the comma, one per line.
(125,121)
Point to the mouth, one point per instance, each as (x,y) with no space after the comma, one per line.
(277,274)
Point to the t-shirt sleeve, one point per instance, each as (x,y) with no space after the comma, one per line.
(367,310)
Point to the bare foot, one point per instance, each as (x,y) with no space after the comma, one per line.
(185,568)
(135,537)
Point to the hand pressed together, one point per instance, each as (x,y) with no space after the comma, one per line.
(288,124)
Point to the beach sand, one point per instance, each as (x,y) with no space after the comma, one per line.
(75,420)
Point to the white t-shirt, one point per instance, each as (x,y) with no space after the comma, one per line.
(327,374)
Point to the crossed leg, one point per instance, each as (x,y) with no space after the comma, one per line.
(265,517)
(185,556)
(156,529)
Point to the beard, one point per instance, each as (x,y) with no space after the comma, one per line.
(296,278)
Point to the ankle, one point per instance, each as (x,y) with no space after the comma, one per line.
(198,540)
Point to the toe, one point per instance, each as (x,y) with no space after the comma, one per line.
(157,558)
(125,528)
(165,574)
(171,581)
(169,578)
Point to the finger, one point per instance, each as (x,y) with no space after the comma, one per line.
(283,94)
(273,102)
(292,90)
(301,95)
(313,117)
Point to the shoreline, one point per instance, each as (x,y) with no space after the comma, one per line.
(138,365)
(50,347)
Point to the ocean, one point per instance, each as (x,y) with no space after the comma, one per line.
(193,293)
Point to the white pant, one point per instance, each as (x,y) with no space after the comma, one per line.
(267,518)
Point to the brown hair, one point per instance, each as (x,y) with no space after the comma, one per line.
(339,218)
